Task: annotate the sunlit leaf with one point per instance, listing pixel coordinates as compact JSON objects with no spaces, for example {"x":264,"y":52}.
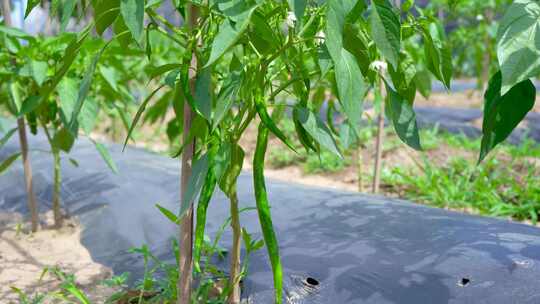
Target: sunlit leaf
{"x":133,"y":13}
{"x":386,"y":30}
{"x":518,"y":45}
{"x":502,"y":114}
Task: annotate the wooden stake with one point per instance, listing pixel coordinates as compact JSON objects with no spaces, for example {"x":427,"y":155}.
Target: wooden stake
{"x":32,"y":205}
{"x":185,"y":280}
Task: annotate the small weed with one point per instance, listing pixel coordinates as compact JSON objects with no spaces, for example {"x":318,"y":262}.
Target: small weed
{"x":494,"y":188}
{"x":325,"y":162}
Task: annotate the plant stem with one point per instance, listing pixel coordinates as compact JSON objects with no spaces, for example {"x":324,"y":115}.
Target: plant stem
{"x":58,"y":218}
{"x":234,"y":296}
{"x":359,"y":171}
{"x":57,"y":181}
{"x":32,"y":205}
{"x":378,"y":144}
{"x":185,"y":279}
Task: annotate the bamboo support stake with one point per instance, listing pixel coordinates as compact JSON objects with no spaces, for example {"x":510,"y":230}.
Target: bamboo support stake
{"x":185,"y":280}
{"x":32,"y":205}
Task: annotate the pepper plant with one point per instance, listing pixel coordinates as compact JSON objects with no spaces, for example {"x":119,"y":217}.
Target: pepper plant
{"x":53,"y":102}
{"x":252,"y":62}
{"x":473,"y":33}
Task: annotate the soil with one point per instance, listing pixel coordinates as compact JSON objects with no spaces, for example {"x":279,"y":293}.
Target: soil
{"x":24,"y":256}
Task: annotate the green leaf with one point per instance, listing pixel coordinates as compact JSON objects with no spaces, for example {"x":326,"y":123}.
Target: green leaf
{"x":231,"y":29}
{"x":318,"y":130}
{"x":168,"y":214}
{"x":39,"y":71}
{"x":84,"y":89}
{"x":325,"y":61}
{"x":6,"y":163}
{"x":133,"y":13}
{"x":77,"y":293}
{"x":110,"y":75}
{"x":351,"y":87}
{"x":29,"y":104}
{"x":162,"y":69}
{"x":195,"y":183}
{"x":7,"y":136}
{"x":438,"y":55}
{"x":67,"y":92}
{"x":69,"y":56}
{"x":74,"y":162}
{"x":203,"y":93}
{"x":227,"y":95}
{"x":88,"y":116}
{"x":105,"y":13}
{"x":106,"y":156}
{"x":334,"y":28}
{"x":401,"y":114}
{"x":502,"y":114}
{"x":386,"y":30}
{"x":15,"y":32}
{"x":63,"y":140}
{"x":138,"y":115}
{"x":349,"y":79}
{"x":298,"y":7}
{"x":122,"y":33}
{"x":518,"y":43}
{"x":66,"y":12}
{"x":30,"y":6}
{"x":422,"y":79}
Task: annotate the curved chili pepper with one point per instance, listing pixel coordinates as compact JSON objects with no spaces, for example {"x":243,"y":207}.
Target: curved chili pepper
{"x":263,"y":209}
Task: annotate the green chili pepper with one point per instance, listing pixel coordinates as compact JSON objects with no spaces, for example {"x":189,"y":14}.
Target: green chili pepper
{"x":269,"y":123}
{"x":263,"y":209}
{"x":207,"y":191}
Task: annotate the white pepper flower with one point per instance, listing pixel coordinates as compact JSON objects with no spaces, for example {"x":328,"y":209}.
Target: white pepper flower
{"x":291,"y":20}
{"x":320,"y":37}
{"x":379,"y":66}
{"x":479,"y":17}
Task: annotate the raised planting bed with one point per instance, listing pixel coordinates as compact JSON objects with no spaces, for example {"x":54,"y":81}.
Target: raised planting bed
{"x":336,"y":247}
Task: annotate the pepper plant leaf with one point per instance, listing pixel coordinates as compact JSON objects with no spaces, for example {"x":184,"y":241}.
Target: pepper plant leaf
{"x":349,"y":79}
{"x":195,"y":183}
{"x":106,"y":156}
{"x":84,"y":89}
{"x":7,"y":136}
{"x":318,"y":130}
{"x":502,"y":113}
{"x":133,"y":13}
{"x":105,"y":13}
{"x":518,"y":43}
{"x":386,"y":30}
{"x":238,"y":14}
{"x":401,"y":114}
{"x":438,"y":55}
{"x":6,"y":163}
{"x":66,"y":11}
